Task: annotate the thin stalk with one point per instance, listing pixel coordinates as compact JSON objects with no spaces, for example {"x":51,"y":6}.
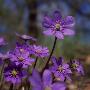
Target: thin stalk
{"x":11,"y":87}
{"x":50,"y":54}
{"x":35,"y":62}
{"x":1,"y":80}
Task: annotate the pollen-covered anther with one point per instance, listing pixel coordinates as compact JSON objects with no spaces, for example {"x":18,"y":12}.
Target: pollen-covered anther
{"x":57,"y":26}
{"x":60,"y":69}
{"x":14,"y":72}
{"x":21,"y":50}
{"x":21,"y":59}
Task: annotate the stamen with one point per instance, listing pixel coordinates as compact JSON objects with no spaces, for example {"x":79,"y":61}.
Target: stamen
{"x":14,"y":72}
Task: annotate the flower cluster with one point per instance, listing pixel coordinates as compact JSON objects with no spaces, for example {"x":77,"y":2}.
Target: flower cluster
{"x":21,"y":61}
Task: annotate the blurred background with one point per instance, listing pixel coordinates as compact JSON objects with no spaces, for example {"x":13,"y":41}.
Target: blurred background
{"x":25,"y":17}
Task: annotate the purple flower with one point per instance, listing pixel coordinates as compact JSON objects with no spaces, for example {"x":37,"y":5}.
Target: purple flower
{"x":24,"y":49}
{"x":45,"y":82}
{"x":60,"y":69}
{"x":40,"y":51}
{"x":2,"y":41}
{"x":3,"y":57}
{"x":21,"y":55}
{"x":58,"y":26}
{"x":76,"y":66}
{"x":26,"y":37}
{"x":14,"y":73}
{"x":21,"y":59}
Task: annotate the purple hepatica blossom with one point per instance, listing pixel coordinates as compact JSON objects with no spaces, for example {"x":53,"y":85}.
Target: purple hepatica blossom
{"x":20,"y":57}
{"x":58,"y":26}
{"x":14,"y":73}
{"x":45,"y":82}
{"x":40,"y":51}
{"x":23,"y":49}
{"x":26,"y":37}
{"x":2,"y":41}
{"x":60,"y":69}
{"x":3,"y":57}
{"x":76,"y":66}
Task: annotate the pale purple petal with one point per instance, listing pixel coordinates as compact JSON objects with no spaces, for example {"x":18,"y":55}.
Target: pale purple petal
{"x":58,"y":86}
{"x":68,"y":21}
{"x":59,"y":35}
{"x":47,"y":78}
{"x":57,"y":16}
{"x":47,"y":22}
{"x":48,"y":32}
{"x":68,"y":32}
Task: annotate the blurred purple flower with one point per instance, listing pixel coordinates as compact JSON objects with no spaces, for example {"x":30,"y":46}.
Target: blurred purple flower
{"x":45,"y":82}
{"x":14,"y":73}
{"x":24,"y":49}
{"x":2,"y":41}
{"x":3,"y":57}
{"x":76,"y":66}
{"x":58,"y":26}
{"x":60,"y":69}
{"x":40,"y":51}
{"x":21,"y":55}
{"x":21,"y":59}
{"x":26,"y":37}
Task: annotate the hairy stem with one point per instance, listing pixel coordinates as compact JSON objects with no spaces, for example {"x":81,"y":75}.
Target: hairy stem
{"x":1,"y":76}
{"x":11,"y":87}
{"x":35,"y":62}
{"x":50,"y":54}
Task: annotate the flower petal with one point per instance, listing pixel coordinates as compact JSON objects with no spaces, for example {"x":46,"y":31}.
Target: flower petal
{"x":47,"y":22}
{"x":68,"y":32}
{"x":58,"y":86}
{"x":57,"y":16}
{"x":48,"y":32}
{"x":35,"y":79}
{"x":47,"y":78}
{"x":59,"y":35}
{"x":68,"y":21}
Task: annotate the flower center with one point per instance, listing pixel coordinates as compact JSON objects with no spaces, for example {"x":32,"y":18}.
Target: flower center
{"x":20,"y":59}
{"x":74,"y":65}
{"x":57,"y":26}
{"x":38,"y":51}
{"x":57,"y":78}
{"x":60,"y":69}
{"x":21,"y":50}
{"x":47,"y":88}
{"x":14,"y":73}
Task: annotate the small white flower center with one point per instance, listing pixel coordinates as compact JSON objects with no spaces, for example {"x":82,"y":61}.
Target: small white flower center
{"x":21,"y":59}
{"x":60,"y":69}
{"x":57,"y":26}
